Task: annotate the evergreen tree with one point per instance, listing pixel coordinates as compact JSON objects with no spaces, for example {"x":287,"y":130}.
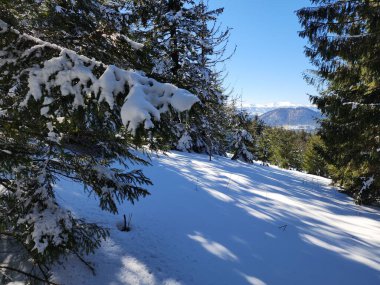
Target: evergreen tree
{"x":185,"y":45}
{"x":257,"y":126}
{"x":264,"y":146}
{"x":282,"y":147}
{"x":242,"y":142}
{"x":344,"y":46}
{"x":256,"y":129}
{"x":313,"y":161}
{"x":66,"y":116}
{"x":97,"y":29}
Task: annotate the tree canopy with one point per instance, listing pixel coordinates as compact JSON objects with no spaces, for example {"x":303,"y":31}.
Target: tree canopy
{"x":344,"y":46}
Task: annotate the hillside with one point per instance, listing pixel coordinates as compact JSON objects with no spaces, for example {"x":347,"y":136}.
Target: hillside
{"x":259,"y":109}
{"x":225,"y":222}
{"x":299,"y":117}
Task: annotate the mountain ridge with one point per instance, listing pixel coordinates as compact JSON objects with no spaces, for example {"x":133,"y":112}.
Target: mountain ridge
{"x":259,"y":109}
{"x":292,"y":118}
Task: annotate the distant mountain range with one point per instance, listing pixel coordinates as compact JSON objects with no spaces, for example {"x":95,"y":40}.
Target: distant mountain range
{"x":287,"y":115}
{"x":300,"y":118}
{"x":259,"y":109}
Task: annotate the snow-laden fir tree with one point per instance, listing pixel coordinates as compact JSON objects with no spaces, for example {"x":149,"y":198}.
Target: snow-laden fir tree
{"x":241,"y":140}
{"x":186,"y":44}
{"x":97,"y":29}
{"x":66,"y":116}
{"x":344,"y":39}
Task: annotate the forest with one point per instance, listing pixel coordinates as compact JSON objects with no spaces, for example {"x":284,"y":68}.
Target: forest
{"x":91,"y":90}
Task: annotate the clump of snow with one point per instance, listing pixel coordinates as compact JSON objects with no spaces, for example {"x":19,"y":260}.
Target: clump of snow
{"x":74,"y":75}
{"x":355,"y":105}
{"x":367,"y":184}
{"x":3,"y":26}
{"x":146,"y":98}
{"x":185,"y":142}
{"x":58,"y":9}
{"x":44,"y":110}
{"x":133,"y":44}
{"x":48,"y":223}
{"x":47,"y":226}
{"x":161,"y":66}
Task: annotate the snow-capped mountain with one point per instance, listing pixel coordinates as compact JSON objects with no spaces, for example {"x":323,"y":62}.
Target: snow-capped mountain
{"x":292,"y":118}
{"x":259,"y":109}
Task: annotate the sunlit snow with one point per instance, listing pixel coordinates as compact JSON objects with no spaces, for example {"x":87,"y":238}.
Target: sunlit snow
{"x":226,"y":222}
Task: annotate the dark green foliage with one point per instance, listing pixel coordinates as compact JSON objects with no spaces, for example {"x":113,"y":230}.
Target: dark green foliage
{"x":344,"y":39}
{"x":87,"y":144}
{"x":97,"y":29}
{"x":242,"y":141}
{"x":185,"y":44}
{"x":313,"y":161}
{"x":282,"y":147}
{"x":61,"y":118}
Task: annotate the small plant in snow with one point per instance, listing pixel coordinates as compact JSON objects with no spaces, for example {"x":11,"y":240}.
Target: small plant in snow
{"x":125,"y":226}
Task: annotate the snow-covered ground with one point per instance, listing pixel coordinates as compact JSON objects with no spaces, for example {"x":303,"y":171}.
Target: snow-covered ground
{"x":226,"y":222}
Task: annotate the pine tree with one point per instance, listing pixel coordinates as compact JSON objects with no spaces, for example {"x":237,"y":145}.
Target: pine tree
{"x":185,"y":44}
{"x":264,"y":146}
{"x":97,"y":29}
{"x":344,"y":46}
{"x":256,"y":129}
{"x":282,"y":147}
{"x":242,"y":142}
{"x":313,"y":161}
{"x":66,"y":116}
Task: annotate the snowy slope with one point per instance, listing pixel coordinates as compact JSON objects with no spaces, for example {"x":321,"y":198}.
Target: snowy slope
{"x":225,"y":222}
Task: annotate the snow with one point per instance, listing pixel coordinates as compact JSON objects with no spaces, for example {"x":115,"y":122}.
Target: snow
{"x":355,"y":105}
{"x":133,"y":44}
{"x":44,"y":111}
{"x":185,"y":142}
{"x":3,"y":26}
{"x":275,"y":105}
{"x":259,"y":109}
{"x":227,"y":222}
{"x":77,"y":76}
{"x":146,"y":100}
{"x":58,"y":9}
{"x":47,"y":227}
{"x":367,"y":184}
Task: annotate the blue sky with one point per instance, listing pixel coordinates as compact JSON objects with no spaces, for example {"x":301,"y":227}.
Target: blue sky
{"x":268,"y":64}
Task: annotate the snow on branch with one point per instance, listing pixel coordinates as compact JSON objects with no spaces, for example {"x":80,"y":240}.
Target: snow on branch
{"x":367,"y":182}
{"x":79,"y":77}
{"x":355,"y":105}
